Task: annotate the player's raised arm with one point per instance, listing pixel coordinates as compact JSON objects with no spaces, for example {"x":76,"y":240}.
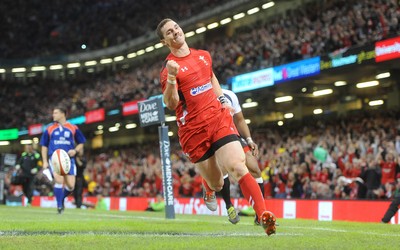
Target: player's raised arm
{"x":171,"y":96}
{"x":216,"y":87}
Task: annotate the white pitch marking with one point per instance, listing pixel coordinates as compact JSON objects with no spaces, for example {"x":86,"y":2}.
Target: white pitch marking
{"x":146,"y":234}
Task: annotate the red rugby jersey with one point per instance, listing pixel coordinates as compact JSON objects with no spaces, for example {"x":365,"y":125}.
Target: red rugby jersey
{"x":197,"y":101}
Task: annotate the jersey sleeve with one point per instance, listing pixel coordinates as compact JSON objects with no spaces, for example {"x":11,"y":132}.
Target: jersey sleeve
{"x":210,"y":60}
{"x":44,"y":140}
{"x":235,"y":103}
{"x":79,"y":137}
{"x":233,"y":100}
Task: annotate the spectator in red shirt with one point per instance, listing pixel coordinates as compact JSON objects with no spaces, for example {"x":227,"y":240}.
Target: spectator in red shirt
{"x":388,"y":168}
{"x":323,"y":175}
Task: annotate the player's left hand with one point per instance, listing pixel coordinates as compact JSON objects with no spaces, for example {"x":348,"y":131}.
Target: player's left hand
{"x":253,"y":147}
{"x":229,"y":107}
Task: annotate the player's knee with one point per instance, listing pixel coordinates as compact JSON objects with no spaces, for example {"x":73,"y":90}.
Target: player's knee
{"x":252,"y":165}
{"x":220,"y":185}
{"x":239,"y":171}
{"x":256,"y":173}
{"x":217,"y":186}
{"x":70,"y":188}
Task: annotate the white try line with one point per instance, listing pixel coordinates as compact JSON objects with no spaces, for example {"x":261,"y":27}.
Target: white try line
{"x":135,"y":234}
{"x":342,"y":231}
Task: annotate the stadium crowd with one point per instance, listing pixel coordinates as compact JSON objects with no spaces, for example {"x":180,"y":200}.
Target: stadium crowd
{"x":60,"y":27}
{"x":360,"y":160}
{"x":310,"y":31}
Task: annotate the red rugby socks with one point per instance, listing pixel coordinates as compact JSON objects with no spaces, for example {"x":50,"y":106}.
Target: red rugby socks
{"x":252,"y":193}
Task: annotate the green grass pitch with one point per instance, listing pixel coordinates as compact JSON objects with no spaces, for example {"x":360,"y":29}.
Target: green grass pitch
{"x":42,"y":228}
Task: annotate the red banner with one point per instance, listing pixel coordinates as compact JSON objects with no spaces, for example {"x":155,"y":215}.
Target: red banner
{"x":35,"y":129}
{"x":130,"y":108}
{"x":97,"y":115}
{"x":387,"y":50}
{"x":322,"y":210}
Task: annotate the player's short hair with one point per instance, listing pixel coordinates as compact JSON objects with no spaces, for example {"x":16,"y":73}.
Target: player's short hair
{"x":160,"y":26}
{"x":62,"y":109}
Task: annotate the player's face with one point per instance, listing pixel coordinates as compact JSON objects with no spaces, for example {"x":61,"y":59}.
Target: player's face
{"x":57,"y":115}
{"x":173,"y":35}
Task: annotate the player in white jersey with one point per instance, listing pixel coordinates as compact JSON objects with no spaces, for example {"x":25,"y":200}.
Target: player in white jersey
{"x":251,"y":150}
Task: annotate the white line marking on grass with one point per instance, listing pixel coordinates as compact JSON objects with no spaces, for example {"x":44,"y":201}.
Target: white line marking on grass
{"x":342,"y":231}
{"x":320,"y":229}
{"x":134,"y":234}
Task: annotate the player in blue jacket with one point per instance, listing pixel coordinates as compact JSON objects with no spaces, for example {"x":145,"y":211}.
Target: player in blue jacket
{"x":62,"y":135}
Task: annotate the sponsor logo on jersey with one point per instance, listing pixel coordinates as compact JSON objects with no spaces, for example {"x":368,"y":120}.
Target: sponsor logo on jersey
{"x":67,"y":134}
{"x":201,"y":89}
{"x":61,"y":142}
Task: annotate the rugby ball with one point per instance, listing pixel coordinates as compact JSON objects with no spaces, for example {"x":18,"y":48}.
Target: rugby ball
{"x":61,"y":162}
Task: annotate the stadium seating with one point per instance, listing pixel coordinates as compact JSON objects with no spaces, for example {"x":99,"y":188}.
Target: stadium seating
{"x":269,"y":43}
{"x":290,"y":168}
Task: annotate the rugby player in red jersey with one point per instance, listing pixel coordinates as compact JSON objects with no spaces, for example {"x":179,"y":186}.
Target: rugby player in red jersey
{"x":206,"y":130}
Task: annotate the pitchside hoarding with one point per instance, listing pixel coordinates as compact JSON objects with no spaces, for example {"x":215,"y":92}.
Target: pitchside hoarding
{"x":387,"y":49}
{"x":8,"y":134}
{"x":323,"y":210}
{"x":130,"y":108}
{"x":346,"y":57}
{"x":296,"y":70}
{"x":254,"y":80}
{"x":270,"y":76}
{"x":35,"y":129}
{"x":97,"y":115}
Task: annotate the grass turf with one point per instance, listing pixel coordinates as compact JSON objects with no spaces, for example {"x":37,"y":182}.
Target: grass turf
{"x":42,"y":228}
